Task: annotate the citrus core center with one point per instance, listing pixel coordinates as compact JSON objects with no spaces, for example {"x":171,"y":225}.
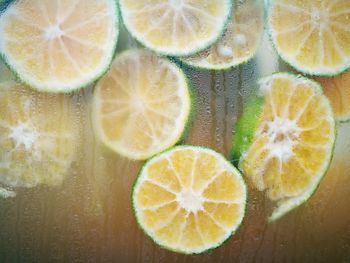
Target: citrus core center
{"x":24,"y":134}
{"x":282,"y":134}
{"x":190,"y":201}
{"x":53,"y":32}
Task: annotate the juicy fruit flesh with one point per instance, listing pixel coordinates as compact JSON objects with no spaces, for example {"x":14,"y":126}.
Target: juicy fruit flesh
{"x":142,"y":105}
{"x":240,"y":40}
{"x":312,"y":35}
{"x":175,"y":27}
{"x":337,"y":89}
{"x":37,"y":137}
{"x":293,"y":142}
{"x":58,"y":45}
{"x":189,"y":200}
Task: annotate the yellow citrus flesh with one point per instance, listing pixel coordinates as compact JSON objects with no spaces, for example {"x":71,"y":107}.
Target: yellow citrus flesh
{"x":56,"y":45}
{"x":312,"y":35}
{"x":337,"y":89}
{"x":294,"y":138}
{"x":189,"y":199}
{"x":240,"y":41}
{"x":176,"y":27}
{"x":142,"y":105}
{"x":38,"y":137}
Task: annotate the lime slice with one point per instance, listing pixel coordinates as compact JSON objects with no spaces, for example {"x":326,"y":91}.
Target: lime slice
{"x":337,"y":89}
{"x":176,"y":27}
{"x":285,"y":146}
{"x":59,"y":46}
{"x":189,"y":199}
{"x":5,"y":74}
{"x":142,"y":106}
{"x":240,"y":41}
{"x":313,"y":36}
{"x":38,"y":137}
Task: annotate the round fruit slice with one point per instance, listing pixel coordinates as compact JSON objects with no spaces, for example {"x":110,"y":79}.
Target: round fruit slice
{"x":337,"y":89}
{"x":189,"y":199}
{"x":142,"y":106}
{"x":174,"y":27}
{"x":240,"y":41}
{"x":5,"y":74}
{"x":38,"y":137}
{"x":284,"y":141}
{"x":56,"y":45}
{"x":313,"y":36}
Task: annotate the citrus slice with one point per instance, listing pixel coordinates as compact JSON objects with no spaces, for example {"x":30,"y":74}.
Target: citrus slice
{"x":189,"y":199}
{"x":5,"y":74}
{"x":142,"y":106}
{"x":313,"y":36}
{"x":38,"y":137}
{"x":59,"y":46}
{"x":337,"y":89}
{"x":176,"y":27}
{"x":285,"y":142}
{"x":240,"y":41}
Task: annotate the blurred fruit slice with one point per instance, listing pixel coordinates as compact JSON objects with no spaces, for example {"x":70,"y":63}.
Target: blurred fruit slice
{"x":59,"y":45}
{"x":240,"y":41}
{"x":142,"y":106}
{"x":174,"y":27}
{"x":189,"y":199}
{"x":5,"y":74}
{"x":337,"y":89}
{"x":285,"y":142}
{"x":313,"y":36}
{"x":38,"y":137}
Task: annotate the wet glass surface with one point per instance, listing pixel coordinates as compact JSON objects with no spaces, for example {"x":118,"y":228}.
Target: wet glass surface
{"x":89,"y":217}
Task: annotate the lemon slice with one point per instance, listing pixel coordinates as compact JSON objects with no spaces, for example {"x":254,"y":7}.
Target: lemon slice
{"x":189,"y":199}
{"x":285,"y":140}
{"x":59,"y":46}
{"x":38,"y":137}
{"x":176,"y":27}
{"x":142,"y":106}
{"x":337,"y":89}
{"x":313,"y":36}
{"x":240,"y":41}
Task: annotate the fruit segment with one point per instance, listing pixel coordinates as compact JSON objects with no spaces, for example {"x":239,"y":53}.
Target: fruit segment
{"x":337,"y":89}
{"x":239,"y":42}
{"x":142,"y":106}
{"x":176,"y":28}
{"x":38,"y":137}
{"x":313,"y":36}
{"x":59,"y":46}
{"x":188,"y":212}
{"x":293,"y":141}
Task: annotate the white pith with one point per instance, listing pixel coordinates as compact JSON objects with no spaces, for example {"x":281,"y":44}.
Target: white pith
{"x":24,"y":134}
{"x":139,"y":105}
{"x":223,"y":47}
{"x":188,"y":199}
{"x":320,"y":19}
{"x":176,"y":10}
{"x":54,"y":32}
{"x":283,"y":133}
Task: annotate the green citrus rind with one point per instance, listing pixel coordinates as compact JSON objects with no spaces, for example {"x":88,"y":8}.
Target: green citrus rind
{"x":41,"y":87}
{"x":140,"y":177}
{"x":178,"y":51}
{"x":190,"y":99}
{"x":205,"y":65}
{"x":244,"y":134}
{"x":290,"y":62}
